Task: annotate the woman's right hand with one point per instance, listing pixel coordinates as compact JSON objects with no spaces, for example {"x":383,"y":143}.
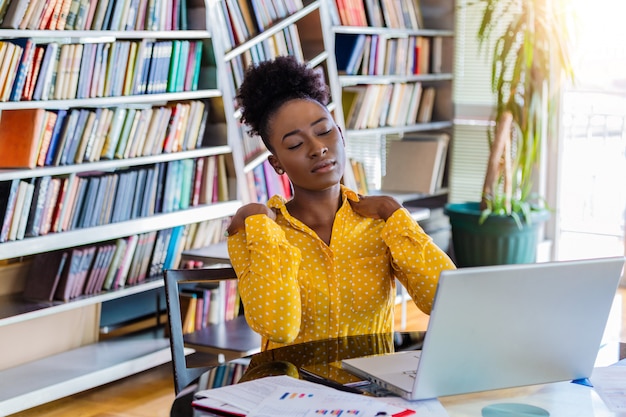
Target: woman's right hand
{"x":238,"y":221}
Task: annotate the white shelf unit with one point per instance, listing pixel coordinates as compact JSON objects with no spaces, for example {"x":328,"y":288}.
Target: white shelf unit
{"x":370,"y":145}
{"x":48,"y":377}
{"x":314,"y":28}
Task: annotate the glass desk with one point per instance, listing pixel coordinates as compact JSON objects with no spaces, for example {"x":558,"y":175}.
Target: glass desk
{"x":323,"y":358}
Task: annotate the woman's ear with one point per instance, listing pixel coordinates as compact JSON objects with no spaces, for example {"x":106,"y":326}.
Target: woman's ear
{"x":275,"y":164}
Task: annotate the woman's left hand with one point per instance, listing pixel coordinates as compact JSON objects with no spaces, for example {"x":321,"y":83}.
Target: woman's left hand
{"x":375,"y":207}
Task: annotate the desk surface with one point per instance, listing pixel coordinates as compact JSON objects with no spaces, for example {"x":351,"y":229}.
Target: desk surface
{"x":561,"y":399}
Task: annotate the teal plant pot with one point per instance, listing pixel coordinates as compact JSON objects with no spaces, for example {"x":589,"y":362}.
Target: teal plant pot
{"x":497,"y":241}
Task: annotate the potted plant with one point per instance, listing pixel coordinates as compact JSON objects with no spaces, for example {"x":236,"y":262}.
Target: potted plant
{"x":530,"y":61}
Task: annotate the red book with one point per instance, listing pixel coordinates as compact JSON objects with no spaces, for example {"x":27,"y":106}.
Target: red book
{"x":33,"y":72}
{"x":61,"y":200}
{"x":47,"y":14}
{"x":197,"y":182}
{"x":51,"y":118}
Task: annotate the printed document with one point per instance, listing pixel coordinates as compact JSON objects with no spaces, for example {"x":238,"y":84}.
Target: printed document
{"x":287,"y":396}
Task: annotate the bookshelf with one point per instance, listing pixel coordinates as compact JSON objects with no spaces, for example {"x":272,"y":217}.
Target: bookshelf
{"x":394,"y":60}
{"x":257,"y":31}
{"x":159,"y":131}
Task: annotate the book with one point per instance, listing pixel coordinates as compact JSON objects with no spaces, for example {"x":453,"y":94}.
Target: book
{"x":113,"y":135}
{"x":415,"y":164}
{"x":26,"y":60}
{"x":68,"y":279}
{"x":425,"y":112}
{"x":95,"y":270}
{"x":20,"y":133}
{"x":39,"y":202}
{"x":55,"y":137}
{"x":46,"y":70}
{"x":44,"y":275}
{"x":14,"y":14}
{"x":46,"y":136}
{"x":84,"y":267}
{"x":33,"y":72}
{"x":67,"y":132}
{"x":8,"y":67}
{"x":25,"y":207}
{"x":120,"y":248}
{"x":8,"y":197}
{"x":50,"y":203}
{"x":122,"y":272}
{"x":100,"y":13}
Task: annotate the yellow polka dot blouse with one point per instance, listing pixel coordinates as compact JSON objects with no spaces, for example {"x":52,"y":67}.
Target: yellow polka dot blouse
{"x":296,"y":289}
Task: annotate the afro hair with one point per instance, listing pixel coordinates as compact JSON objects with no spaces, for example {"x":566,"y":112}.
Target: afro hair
{"x":269,"y":84}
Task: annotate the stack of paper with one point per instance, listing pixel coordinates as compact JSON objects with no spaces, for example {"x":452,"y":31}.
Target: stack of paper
{"x":287,"y":396}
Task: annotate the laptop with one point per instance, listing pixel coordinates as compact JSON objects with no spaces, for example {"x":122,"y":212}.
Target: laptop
{"x":503,"y":326}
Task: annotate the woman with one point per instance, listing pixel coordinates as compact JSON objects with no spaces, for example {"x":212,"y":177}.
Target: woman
{"x":322,"y":264}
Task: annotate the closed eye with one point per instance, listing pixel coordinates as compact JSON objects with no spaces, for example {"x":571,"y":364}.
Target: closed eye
{"x":295,"y":146}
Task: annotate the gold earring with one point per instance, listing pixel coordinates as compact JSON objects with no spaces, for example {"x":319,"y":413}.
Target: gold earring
{"x":280,"y":171}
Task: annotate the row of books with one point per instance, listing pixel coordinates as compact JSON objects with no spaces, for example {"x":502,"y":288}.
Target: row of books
{"x":246,"y":18}
{"x":285,"y":42}
{"x":93,"y":14}
{"x":39,"y":137}
{"x":360,"y":176}
{"x":205,"y":304}
{"x":63,"y":71}
{"x":395,"y":104}
{"x":401,"y":14}
{"x":263,"y":183}
{"x":87,"y":270}
{"x":252,"y":146}
{"x":227,"y":374}
{"x":360,"y":54}
{"x":43,"y":205}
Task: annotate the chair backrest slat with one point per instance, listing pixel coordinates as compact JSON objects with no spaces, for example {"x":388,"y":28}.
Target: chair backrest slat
{"x":184,"y":375}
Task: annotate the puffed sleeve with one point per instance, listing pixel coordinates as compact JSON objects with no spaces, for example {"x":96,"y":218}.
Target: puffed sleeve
{"x":267,"y":267}
{"x":416,"y":259}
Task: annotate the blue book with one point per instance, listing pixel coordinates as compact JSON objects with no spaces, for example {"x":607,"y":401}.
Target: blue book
{"x":44,"y":78}
{"x":161,"y":173}
{"x":140,"y":190}
{"x":170,"y":186}
{"x":85,"y":73}
{"x":172,"y":248}
{"x":68,"y":131}
{"x":118,"y":200}
{"x":55,"y":138}
{"x":147,"y":201}
{"x":150,"y":67}
{"x":26,"y":60}
{"x":71,"y":145}
{"x":108,"y":14}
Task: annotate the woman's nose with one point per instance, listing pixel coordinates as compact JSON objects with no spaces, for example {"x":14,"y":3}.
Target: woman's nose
{"x":318,"y":147}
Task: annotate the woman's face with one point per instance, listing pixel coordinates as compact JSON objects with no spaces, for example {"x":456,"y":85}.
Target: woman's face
{"x":307,"y":144}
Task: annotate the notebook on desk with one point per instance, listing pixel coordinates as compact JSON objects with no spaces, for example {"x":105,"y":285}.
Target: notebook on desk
{"x":504,"y":326}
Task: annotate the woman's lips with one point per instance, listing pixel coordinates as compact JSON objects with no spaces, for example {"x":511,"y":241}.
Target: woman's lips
{"x":323,"y":166}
